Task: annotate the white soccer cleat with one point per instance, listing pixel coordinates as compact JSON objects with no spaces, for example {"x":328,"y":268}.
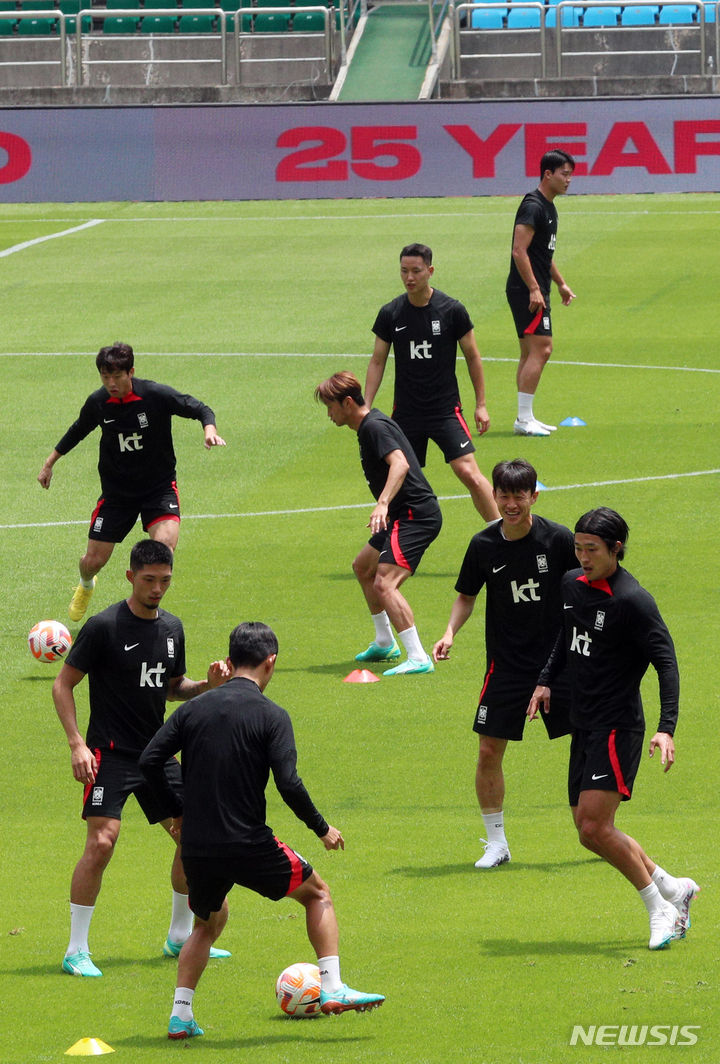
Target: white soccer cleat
{"x":550,"y":428}
{"x":662,"y":925}
{"x":690,"y":891}
{"x":530,"y":428}
{"x":496,"y":853}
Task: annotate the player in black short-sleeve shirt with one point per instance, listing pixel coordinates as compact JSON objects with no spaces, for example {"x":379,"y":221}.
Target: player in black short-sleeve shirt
{"x":405,"y":520}
{"x":424,"y":328}
{"x":532,"y":269}
{"x":136,"y":463}
{"x":612,"y":631}
{"x":520,"y":561}
{"x":133,"y":654}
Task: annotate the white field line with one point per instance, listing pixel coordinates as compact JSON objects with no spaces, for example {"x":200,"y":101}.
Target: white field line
{"x":50,"y":236}
{"x":367,"y":504}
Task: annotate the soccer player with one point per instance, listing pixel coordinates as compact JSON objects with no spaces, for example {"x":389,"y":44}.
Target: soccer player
{"x":137,"y":460}
{"x":404,"y":522}
{"x":424,"y":328}
{"x":520,"y":560}
{"x":133,"y":654}
{"x":612,"y":632}
{"x":231,"y":739}
{"x":532,"y":269}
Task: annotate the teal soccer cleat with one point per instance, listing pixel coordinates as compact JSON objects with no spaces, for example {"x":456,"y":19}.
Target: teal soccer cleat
{"x":412,"y":665}
{"x":377,"y":653}
{"x":172,"y":949}
{"x":80,"y":964}
{"x":346,"y":1000}
{"x":183,"y":1028}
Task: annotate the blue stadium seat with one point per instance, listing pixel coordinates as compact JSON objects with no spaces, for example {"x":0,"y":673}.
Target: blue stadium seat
{"x":601,"y":16}
{"x":640,"y":15}
{"x":570,"y":16}
{"x":488,"y":18}
{"x":677,"y":14}
{"x":710,"y":13}
{"x":522,"y":18}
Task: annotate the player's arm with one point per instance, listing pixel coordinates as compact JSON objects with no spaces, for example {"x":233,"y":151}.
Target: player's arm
{"x":212,"y":439}
{"x":182,"y":689}
{"x":84,"y":765}
{"x":540,"y":700}
{"x":462,"y":607}
{"x":566,"y":293}
{"x":45,"y":474}
{"x":164,"y":744}
{"x":522,"y":238}
{"x":469,"y":348}
{"x":397,"y":471}
{"x":376,"y":369}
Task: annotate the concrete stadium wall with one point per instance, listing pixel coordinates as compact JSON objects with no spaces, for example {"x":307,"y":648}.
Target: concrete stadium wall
{"x":302,"y":151}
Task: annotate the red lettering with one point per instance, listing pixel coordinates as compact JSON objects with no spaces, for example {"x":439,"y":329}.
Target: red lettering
{"x":546,"y":136}
{"x":688,"y":147}
{"x":19,"y":158}
{"x":373,"y":142}
{"x":483,"y":152}
{"x":328,"y":143}
{"x":646,"y":154}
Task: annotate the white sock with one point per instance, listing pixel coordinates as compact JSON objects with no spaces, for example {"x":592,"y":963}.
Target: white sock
{"x":670,"y":888}
{"x":87,"y":583}
{"x":494,"y":827}
{"x":383,"y":631}
{"x":411,"y":641}
{"x":652,"y":897}
{"x":525,"y":406}
{"x":181,"y":923}
{"x":182,"y":1005}
{"x":80,"y":917}
{"x":330,"y":974}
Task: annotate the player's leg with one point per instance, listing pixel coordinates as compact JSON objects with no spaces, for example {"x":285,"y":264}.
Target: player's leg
{"x":101,"y":835}
{"x":384,"y":646}
{"x":388,"y":581}
{"x":453,"y":437}
{"x":322,"y":930}
{"x":109,"y":525}
{"x":467,"y":471}
{"x":535,"y":351}
{"x":490,"y":791}
{"x":160,"y":516}
{"x":165,"y":531}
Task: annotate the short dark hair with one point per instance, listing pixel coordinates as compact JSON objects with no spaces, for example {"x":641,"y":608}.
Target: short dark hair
{"x":251,"y":643}
{"x":422,"y":251}
{"x":339,"y":387}
{"x":514,"y":475}
{"x":553,"y":160}
{"x":117,"y":356}
{"x":150,"y":552}
{"x":608,"y":525}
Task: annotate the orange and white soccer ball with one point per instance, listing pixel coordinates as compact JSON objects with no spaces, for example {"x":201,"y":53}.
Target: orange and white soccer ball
{"x":298,"y":990}
{"x":49,"y":640}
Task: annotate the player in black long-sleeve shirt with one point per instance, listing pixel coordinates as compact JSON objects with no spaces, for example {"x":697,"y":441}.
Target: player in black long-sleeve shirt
{"x":229,"y":748}
{"x":136,"y":463}
{"x":612,"y":631}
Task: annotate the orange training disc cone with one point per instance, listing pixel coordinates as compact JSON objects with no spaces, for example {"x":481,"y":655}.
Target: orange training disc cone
{"x":88,"y":1047}
{"x":361,"y":676}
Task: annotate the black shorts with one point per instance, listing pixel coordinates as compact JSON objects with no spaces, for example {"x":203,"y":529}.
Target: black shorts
{"x":450,"y":432}
{"x":407,"y":539}
{"x":111,"y":521}
{"x":118,"y":776}
{"x":271,"y":869}
{"x":528,"y":323}
{"x":503,"y":703}
{"x":604,"y":761}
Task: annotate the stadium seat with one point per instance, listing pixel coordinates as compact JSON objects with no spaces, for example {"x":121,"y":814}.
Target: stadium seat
{"x":267,"y":23}
{"x":570,"y":16}
{"x":601,"y":16}
{"x":308,"y":22}
{"x":153,"y":5}
{"x":523,"y":18}
{"x":122,"y":3}
{"x":71,"y":24}
{"x":37,"y":5}
{"x":120,"y":24}
{"x":710,"y":13}
{"x":488,"y":18}
{"x":677,"y":14}
{"x":36,"y":27}
{"x":201,"y":3}
{"x":640,"y":15}
{"x":196,"y":24}
{"x":157,"y":24}
{"x":7,"y":27}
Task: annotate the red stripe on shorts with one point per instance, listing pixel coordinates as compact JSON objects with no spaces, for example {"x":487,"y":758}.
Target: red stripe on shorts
{"x":296,"y":866}
{"x":88,"y":786}
{"x":489,"y":673}
{"x":396,"y":549}
{"x":96,"y":511}
{"x":461,"y":419}
{"x":614,"y":761}
{"x":532,"y":327}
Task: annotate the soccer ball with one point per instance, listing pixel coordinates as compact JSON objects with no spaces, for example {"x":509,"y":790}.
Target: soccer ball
{"x":49,"y":640}
{"x":298,"y":991}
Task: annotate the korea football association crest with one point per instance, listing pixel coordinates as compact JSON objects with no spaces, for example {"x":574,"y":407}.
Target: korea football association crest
{"x":599,"y":620}
{"x":482,"y":715}
{"x":542,"y":563}
{"x":171,"y":647}
{"x":435,"y":325}
{"x":143,"y":421}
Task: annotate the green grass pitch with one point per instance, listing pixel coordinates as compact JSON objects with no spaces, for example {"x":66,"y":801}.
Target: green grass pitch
{"x":249,"y":306}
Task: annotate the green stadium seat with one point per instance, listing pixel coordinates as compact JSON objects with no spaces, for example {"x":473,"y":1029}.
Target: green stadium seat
{"x":69,"y":7}
{"x":7,"y":27}
{"x":308,"y":22}
{"x":246,"y":22}
{"x":197,"y":24}
{"x":267,"y":23}
{"x":36,"y":27}
{"x":71,"y":24}
{"x":112,"y":4}
{"x":153,"y":5}
{"x":157,"y":24}
{"x":8,"y":5}
{"x":37,"y":5}
{"x":120,"y":24}
{"x":201,"y":3}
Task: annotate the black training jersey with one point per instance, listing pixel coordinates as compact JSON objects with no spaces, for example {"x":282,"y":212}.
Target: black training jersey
{"x":137,"y":458}
{"x":612,"y":632}
{"x":542,"y":216}
{"x":129,"y":662}
{"x":425,"y":342}
{"x":523,"y":612}
{"x":230,"y":740}
{"x":378,"y":435}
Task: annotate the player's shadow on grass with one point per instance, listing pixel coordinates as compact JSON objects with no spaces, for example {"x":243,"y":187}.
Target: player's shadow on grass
{"x":231,"y":1043}
{"x":38,"y":679}
{"x":465,"y":869}
{"x":524,"y":947}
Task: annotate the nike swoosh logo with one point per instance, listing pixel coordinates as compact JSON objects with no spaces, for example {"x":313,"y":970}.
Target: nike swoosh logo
{"x":172,"y":505}
{"x":566,"y":607}
{"x":465,"y":444}
{"x":399,"y":328}
{"x":603,"y":777}
{"x":499,"y":568}
{"x":132,"y":646}
{"x":108,"y":421}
